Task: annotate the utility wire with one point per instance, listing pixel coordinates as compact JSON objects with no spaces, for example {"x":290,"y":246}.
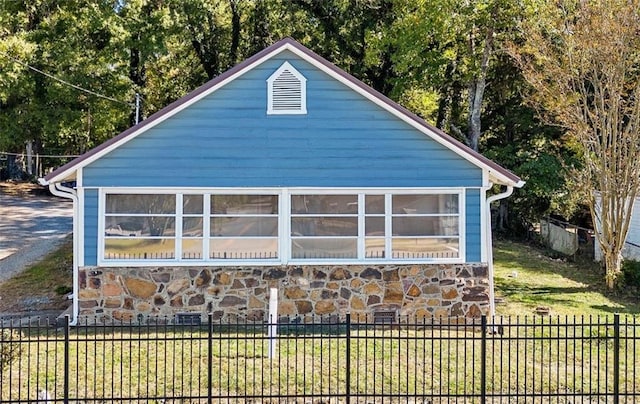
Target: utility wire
{"x":66,"y":82}
{"x":40,"y":155}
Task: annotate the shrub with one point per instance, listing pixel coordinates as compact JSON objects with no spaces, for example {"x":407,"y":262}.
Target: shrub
{"x":631,"y":274}
{"x":10,"y":347}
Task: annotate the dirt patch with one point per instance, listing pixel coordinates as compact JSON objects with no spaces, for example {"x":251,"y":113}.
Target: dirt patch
{"x":43,"y":286}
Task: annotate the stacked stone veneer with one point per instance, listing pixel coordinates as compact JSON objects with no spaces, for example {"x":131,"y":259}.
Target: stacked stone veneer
{"x":138,"y":294}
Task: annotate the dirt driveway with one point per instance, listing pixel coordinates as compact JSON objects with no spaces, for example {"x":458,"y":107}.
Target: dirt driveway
{"x":31,"y":226}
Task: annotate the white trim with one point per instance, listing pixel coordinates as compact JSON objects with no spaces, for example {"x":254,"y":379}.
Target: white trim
{"x":65,"y":174}
{"x":284,"y":225}
{"x":383,"y":104}
{"x":80,"y":244}
{"x":360,"y":243}
{"x":483,"y":224}
{"x":206,"y":224}
{"x":289,"y":47}
{"x":178,"y":226}
{"x":462,"y":224}
{"x":101,"y":218}
{"x":286,"y":66}
{"x":80,"y":195}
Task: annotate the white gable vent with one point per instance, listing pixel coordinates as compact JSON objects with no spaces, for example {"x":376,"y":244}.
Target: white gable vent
{"x":286,"y":91}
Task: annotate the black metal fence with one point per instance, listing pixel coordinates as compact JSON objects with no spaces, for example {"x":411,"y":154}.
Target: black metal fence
{"x":505,"y":360}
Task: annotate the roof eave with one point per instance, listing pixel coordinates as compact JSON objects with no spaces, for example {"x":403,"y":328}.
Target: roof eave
{"x":501,"y":174}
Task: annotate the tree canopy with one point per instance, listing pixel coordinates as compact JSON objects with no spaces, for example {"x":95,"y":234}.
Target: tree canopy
{"x":71,"y":71}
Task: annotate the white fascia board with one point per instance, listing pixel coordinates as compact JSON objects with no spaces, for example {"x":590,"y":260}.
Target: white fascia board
{"x":70,"y":172}
{"x":381,"y":103}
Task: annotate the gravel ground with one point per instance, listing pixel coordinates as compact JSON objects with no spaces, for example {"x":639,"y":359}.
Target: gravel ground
{"x":30,"y":228}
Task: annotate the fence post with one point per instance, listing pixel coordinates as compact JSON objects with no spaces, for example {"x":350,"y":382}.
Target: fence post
{"x":66,"y":360}
{"x":616,"y":358}
{"x":483,"y":360}
{"x":348,"y":360}
{"x":210,"y":360}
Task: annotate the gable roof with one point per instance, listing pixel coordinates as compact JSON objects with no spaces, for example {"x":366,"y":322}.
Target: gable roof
{"x":497,"y":173}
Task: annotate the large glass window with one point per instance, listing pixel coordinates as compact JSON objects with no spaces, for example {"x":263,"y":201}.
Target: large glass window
{"x":324,"y":226}
{"x":192,"y":227}
{"x":365,"y":226}
{"x":425,"y":226}
{"x":140,"y":227}
{"x":244,"y":227}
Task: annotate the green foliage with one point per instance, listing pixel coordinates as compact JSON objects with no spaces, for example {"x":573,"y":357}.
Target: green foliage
{"x":631,"y":274}
{"x":10,"y":347}
{"x":426,"y":55}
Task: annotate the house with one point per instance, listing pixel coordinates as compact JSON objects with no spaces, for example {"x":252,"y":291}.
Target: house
{"x":631,"y":248}
{"x":284,"y":172}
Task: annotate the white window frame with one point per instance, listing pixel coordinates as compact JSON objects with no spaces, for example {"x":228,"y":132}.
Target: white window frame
{"x":284,"y":226}
{"x":303,"y":91}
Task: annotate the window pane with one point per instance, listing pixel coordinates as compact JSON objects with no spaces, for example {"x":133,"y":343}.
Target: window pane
{"x":374,"y":248}
{"x":374,"y":226}
{"x":244,"y":226}
{"x":139,"y":226}
{"x":409,"y":248}
{"x":324,"y":248}
{"x":324,"y":226}
{"x":425,"y":226}
{"x":244,"y":204}
{"x":139,"y":203}
{"x":192,"y":204}
{"x":425,"y":204}
{"x":136,"y":249}
{"x":192,"y":227}
{"x":192,"y":248}
{"x":334,"y":204}
{"x":243,"y":248}
{"x":374,"y":204}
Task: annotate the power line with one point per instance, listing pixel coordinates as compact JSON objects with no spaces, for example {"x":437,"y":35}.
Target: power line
{"x":40,"y":155}
{"x":66,"y":82}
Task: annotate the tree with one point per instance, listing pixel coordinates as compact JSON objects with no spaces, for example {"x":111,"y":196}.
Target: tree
{"x":71,"y":42}
{"x":583,"y":59}
{"x":449,"y":47}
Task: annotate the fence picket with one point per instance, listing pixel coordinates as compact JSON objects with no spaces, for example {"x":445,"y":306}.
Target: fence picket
{"x":325,"y":358}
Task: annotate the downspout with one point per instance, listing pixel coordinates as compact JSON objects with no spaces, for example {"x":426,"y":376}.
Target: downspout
{"x":492,"y":297}
{"x":70,"y":193}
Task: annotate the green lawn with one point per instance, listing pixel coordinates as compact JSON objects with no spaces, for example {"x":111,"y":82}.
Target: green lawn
{"x":534,"y":355}
{"x":527,"y":278}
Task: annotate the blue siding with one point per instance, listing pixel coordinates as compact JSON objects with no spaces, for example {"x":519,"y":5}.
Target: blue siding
{"x":472,"y":211}
{"x":90,"y":227}
{"x":228,"y":140}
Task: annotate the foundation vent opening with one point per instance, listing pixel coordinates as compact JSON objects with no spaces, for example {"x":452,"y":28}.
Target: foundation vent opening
{"x":188,"y":319}
{"x":385,"y":317}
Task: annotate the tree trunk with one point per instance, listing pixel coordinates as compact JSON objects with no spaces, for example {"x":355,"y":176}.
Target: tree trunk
{"x":476,"y":93}
{"x":613,"y":267}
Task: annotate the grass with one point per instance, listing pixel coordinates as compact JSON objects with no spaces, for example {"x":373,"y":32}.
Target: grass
{"x":527,"y":278}
{"x":538,"y":355}
{"x":149,"y":362}
{"x":42,"y":286}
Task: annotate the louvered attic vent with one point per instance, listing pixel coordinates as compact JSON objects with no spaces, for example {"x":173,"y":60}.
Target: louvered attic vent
{"x":286,"y":91}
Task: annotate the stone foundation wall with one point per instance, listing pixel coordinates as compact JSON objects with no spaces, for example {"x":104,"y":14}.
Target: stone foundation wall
{"x":424,"y":291}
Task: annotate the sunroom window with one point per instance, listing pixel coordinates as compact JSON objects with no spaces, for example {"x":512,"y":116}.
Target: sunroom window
{"x":324,"y":226}
{"x":425,"y":226}
{"x":139,"y":227}
{"x":244,"y":227}
{"x":281,"y":226}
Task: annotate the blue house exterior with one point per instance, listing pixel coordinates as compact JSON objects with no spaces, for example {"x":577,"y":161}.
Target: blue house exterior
{"x":285,"y":172}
